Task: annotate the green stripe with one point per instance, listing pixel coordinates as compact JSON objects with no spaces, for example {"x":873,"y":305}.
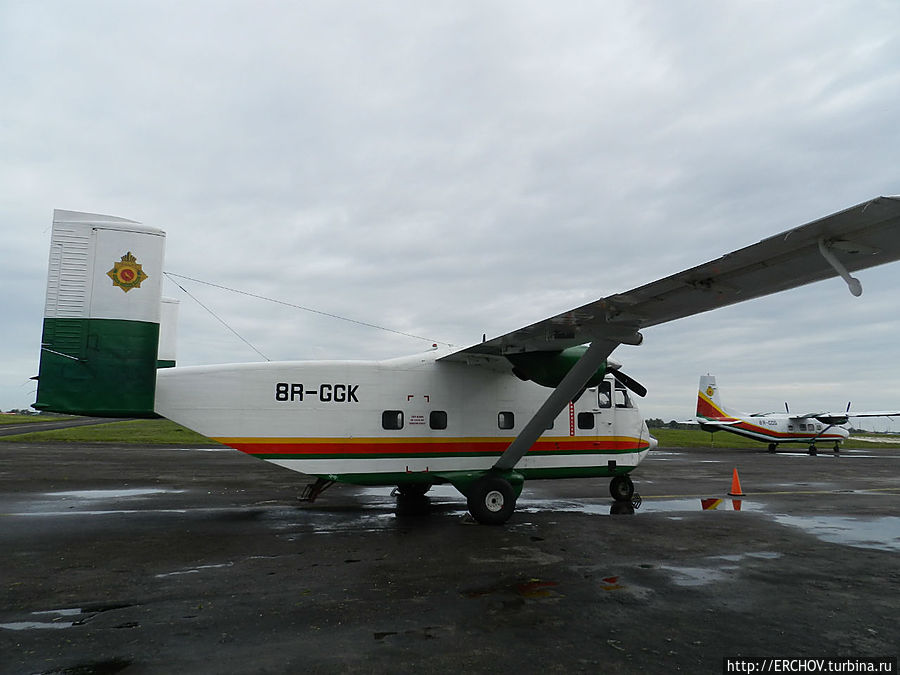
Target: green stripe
{"x":99,"y":367}
{"x":397,"y":478}
{"x":427,"y":455}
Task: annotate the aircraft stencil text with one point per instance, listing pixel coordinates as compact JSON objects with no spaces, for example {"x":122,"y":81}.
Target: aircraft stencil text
{"x":327,"y":393}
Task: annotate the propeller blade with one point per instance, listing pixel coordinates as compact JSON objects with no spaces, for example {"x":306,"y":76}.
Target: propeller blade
{"x":629,"y":383}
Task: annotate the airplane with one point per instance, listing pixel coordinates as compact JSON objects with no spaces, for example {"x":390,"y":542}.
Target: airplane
{"x":542,"y":401}
{"x":776,"y":428}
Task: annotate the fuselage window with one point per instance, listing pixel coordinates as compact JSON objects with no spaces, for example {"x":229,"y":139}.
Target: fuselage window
{"x":604,"y":397}
{"x":818,"y":427}
{"x":437,"y":419}
{"x":790,"y":427}
{"x":585,"y":420}
{"x":392,"y":420}
{"x":506,"y":420}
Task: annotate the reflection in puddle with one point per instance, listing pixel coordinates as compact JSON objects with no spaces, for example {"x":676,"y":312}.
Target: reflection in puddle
{"x":878,"y":533}
{"x":696,"y":504}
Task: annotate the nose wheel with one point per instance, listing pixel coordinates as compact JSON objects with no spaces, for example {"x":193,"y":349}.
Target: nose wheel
{"x":621,"y":488}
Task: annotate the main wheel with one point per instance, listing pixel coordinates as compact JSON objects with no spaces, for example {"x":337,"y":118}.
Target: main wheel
{"x":772,"y":447}
{"x":812,"y":450}
{"x":491,"y":500}
{"x":413,"y":489}
{"x":621,"y":488}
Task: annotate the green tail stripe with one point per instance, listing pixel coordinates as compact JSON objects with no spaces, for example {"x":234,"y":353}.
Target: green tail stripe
{"x":99,"y":367}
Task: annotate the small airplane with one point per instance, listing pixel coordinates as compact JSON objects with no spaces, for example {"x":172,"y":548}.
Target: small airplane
{"x":775,"y":428}
{"x":542,"y":401}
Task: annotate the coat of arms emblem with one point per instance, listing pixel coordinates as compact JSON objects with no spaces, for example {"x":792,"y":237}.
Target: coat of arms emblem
{"x":128,"y":273}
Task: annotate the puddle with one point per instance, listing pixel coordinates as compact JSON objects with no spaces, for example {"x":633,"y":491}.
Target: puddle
{"x":111,"y":494}
{"x":54,"y":514}
{"x":441,"y":491}
{"x":881,"y":533}
{"x":604,"y":507}
{"x":689,"y":504}
{"x":52,"y":624}
{"x":761,"y":555}
{"x":696,"y":576}
{"x":79,"y":502}
{"x":723,"y":566}
{"x":193,"y":570}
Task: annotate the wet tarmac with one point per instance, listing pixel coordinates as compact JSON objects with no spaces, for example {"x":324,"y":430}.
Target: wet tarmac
{"x":159,"y":560}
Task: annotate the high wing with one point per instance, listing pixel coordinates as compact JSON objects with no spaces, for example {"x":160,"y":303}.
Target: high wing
{"x":843,"y":417}
{"x":857,"y":238}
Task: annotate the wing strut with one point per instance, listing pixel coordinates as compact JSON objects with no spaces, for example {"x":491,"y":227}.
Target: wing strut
{"x":852,"y":282}
{"x":571,"y":384}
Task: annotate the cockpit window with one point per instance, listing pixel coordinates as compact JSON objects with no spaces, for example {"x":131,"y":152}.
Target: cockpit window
{"x":622,"y":398}
{"x":604,"y":395}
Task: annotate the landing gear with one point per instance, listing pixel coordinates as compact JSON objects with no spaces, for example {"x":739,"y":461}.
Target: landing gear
{"x":772,"y":447}
{"x":812,"y":450}
{"x":837,"y":447}
{"x":313,"y":490}
{"x":412,"y":489}
{"x":491,"y":500}
{"x":621,"y":488}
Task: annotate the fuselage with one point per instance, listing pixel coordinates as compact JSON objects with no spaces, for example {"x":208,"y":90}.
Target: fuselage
{"x":402,"y":420}
{"x":780,"y":428}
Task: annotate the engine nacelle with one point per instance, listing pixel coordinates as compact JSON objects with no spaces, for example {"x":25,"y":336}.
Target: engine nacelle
{"x":549,"y":368}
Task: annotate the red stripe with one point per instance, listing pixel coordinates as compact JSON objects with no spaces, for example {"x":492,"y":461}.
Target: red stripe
{"x":454,"y":448}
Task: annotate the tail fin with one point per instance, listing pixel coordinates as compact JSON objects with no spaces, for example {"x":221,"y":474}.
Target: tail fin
{"x":709,"y":403}
{"x":101,"y":319}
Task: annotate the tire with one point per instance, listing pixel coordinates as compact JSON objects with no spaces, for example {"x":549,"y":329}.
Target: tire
{"x":491,"y":500}
{"x":413,"y":489}
{"x":621,"y":488}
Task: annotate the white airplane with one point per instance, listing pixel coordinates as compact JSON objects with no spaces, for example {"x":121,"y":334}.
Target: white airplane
{"x":775,"y":428}
{"x":542,"y":401}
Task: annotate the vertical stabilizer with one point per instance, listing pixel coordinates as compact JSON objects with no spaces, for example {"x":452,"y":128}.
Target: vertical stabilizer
{"x":101,"y":317}
{"x":709,"y":402}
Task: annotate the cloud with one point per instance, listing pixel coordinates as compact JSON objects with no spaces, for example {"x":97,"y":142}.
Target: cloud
{"x":454,"y":169}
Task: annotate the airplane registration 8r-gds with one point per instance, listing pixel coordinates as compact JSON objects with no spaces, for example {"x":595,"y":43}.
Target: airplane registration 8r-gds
{"x":775,"y":428}
{"x":543,"y":401}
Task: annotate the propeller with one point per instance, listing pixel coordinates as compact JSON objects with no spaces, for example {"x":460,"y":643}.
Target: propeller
{"x":629,"y":382}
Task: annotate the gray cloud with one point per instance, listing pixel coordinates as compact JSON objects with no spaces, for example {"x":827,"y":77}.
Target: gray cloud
{"x":453,"y":169}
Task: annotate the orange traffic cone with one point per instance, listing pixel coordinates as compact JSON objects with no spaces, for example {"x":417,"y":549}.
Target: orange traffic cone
{"x":735,"y":485}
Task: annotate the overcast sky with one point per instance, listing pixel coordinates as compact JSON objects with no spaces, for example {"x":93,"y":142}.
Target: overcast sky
{"x":449,"y":169}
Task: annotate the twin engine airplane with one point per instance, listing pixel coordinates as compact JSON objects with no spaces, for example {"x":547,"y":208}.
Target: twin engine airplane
{"x":542,"y":401}
{"x":775,"y":428}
